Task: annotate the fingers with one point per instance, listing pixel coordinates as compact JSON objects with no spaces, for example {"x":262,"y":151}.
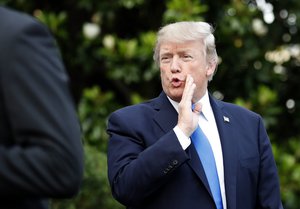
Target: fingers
{"x":188,"y":91}
{"x":188,"y":118}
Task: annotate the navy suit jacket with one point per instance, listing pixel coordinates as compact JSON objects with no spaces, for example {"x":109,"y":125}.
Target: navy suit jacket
{"x":41,"y":152}
{"x":148,"y":169}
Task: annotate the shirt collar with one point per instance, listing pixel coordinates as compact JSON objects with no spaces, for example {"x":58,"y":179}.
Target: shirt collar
{"x":206,"y":108}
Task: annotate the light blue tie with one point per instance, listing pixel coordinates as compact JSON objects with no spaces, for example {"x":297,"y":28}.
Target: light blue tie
{"x":206,"y":156}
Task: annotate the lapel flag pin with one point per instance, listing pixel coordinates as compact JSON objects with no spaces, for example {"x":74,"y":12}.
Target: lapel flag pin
{"x":226,"y":119}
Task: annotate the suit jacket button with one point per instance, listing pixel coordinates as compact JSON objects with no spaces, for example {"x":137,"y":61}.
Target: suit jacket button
{"x":166,"y":170}
{"x":175,"y":162}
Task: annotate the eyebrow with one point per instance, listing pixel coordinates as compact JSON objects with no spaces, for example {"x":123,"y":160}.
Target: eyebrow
{"x":167,"y":53}
{"x":186,"y":51}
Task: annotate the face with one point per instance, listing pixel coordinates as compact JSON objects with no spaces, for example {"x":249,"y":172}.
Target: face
{"x":177,"y":60}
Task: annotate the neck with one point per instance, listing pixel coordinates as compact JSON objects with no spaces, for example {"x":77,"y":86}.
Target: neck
{"x":198,"y":96}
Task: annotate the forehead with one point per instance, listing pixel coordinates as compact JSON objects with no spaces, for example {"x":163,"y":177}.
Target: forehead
{"x":188,"y":46}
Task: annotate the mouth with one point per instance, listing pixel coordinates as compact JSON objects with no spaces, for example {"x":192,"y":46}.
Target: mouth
{"x":176,"y":82}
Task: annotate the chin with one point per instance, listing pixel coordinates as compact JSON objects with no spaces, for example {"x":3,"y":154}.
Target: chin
{"x":176,"y":98}
{"x":174,"y":94}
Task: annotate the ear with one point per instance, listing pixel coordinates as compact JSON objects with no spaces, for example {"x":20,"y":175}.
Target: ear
{"x":210,"y":69}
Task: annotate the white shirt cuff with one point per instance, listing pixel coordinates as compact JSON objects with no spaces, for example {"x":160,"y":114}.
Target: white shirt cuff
{"x":182,"y":138}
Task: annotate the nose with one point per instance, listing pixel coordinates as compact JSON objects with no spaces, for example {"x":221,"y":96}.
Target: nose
{"x":175,"y":66}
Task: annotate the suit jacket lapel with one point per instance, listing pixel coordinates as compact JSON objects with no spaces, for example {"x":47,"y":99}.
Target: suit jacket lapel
{"x":229,"y":144}
{"x":167,"y":118}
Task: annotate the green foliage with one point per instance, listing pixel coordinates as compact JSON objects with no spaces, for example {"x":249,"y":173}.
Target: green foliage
{"x":183,"y":10}
{"x":93,"y":110}
{"x":54,"y":21}
{"x":126,"y":56}
{"x":262,"y":101}
{"x":107,"y":47}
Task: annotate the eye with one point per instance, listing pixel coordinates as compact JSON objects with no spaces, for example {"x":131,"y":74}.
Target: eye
{"x":187,"y":57}
{"x":165,"y":59}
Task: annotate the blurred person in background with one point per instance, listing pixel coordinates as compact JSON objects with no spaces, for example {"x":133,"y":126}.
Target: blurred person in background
{"x":186,"y":149}
{"x":41,"y":153}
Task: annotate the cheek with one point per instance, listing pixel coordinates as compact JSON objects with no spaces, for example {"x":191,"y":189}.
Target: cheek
{"x":199,"y":75}
{"x":163,"y":73}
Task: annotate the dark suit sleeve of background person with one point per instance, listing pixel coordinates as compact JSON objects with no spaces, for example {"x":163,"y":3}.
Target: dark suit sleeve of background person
{"x":40,"y":140}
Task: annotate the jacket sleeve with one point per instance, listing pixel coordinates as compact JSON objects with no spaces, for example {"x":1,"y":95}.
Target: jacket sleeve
{"x":137,"y":168}
{"x":42,"y":153}
{"x":268,"y":183}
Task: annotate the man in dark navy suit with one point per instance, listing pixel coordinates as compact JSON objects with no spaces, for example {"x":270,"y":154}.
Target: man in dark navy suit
{"x":154,"y":158}
{"x":41,"y":152}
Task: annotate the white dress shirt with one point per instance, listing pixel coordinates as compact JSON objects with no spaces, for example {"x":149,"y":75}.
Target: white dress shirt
{"x":208,"y":125}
